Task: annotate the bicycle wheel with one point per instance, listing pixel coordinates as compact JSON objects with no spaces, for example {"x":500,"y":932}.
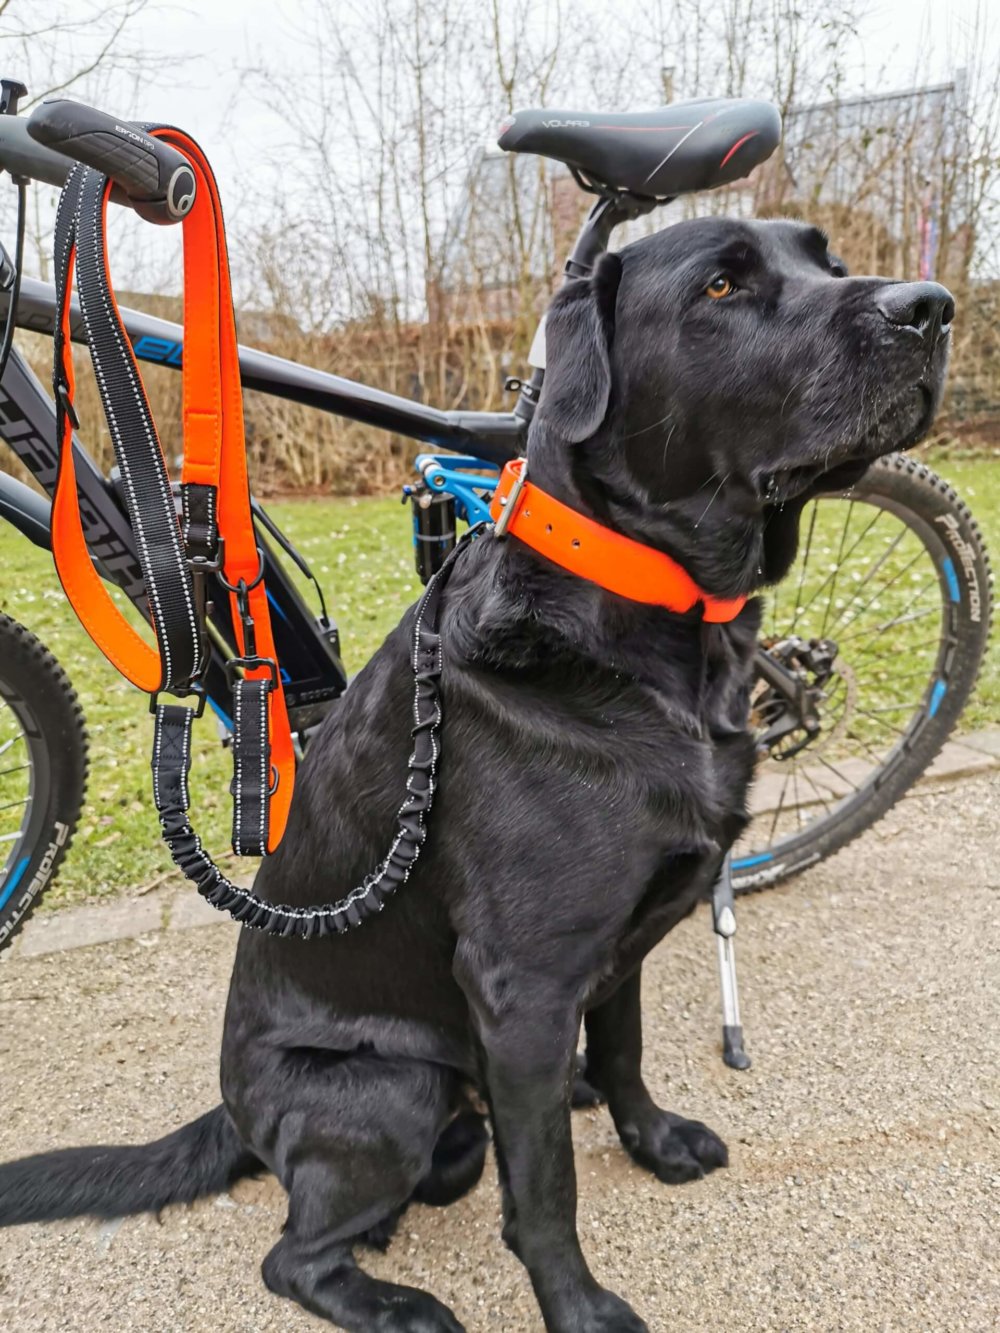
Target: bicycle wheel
{"x":884,"y":620}
{"x":43,"y":769}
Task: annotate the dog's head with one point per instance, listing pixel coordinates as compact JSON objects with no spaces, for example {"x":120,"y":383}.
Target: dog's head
{"x":707,"y":378}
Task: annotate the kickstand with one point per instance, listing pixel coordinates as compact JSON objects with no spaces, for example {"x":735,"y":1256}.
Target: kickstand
{"x":724,"y":925}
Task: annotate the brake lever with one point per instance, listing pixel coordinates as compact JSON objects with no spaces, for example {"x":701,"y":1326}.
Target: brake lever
{"x":11,"y":92}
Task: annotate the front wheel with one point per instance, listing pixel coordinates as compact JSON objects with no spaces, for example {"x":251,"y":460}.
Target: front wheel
{"x":43,"y":770}
{"x":881,"y":625}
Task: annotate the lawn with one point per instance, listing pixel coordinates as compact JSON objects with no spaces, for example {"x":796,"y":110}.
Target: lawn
{"x":118,"y":843}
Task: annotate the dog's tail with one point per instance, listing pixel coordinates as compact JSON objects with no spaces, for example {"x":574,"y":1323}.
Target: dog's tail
{"x":202,"y":1158}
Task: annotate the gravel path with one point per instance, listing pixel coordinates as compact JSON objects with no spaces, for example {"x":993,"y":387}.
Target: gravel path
{"x":863,"y":1191}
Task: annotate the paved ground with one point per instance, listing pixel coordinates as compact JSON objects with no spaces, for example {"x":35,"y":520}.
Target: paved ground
{"x":863,"y":1192}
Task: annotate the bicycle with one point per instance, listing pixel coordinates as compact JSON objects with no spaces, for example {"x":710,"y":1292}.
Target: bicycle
{"x":900,"y":528}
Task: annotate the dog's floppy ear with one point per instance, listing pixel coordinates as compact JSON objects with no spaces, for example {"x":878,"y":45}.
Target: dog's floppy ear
{"x":579,"y":328}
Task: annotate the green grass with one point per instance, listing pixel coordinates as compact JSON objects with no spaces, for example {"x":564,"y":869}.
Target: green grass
{"x":362,"y":554}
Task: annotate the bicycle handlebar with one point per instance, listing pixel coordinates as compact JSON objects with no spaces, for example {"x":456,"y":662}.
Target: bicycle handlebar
{"x":154,"y":178}
{"x":147,"y":174}
{"x":22,"y":156}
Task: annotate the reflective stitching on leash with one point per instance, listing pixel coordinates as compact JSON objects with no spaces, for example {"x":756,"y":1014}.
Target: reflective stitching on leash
{"x":279,"y":917}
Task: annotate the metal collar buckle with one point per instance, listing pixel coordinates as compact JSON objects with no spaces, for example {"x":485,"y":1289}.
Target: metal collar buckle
{"x":509,"y":501}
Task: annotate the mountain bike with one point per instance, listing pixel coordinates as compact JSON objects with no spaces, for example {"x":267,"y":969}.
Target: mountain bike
{"x":871,"y":644}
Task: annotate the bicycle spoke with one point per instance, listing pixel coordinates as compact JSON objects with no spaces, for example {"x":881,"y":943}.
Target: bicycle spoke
{"x":833,"y":575}
{"x":781,"y":802}
{"x":864,"y":712}
{"x":893,"y":653}
{"x":838,"y":565}
{"x":836,"y":771}
{"x":876,"y":758}
{"x":824,"y":800}
{"x":904,"y":618}
{"x":20,"y":768}
{"x":798,"y":803}
{"x":903,"y":706}
{"x":879,"y":592}
{"x":909,"y":675}
{"x":12,"y":805}
{"x":805,"y":562}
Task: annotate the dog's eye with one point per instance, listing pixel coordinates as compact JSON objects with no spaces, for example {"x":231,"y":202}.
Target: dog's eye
{"x":718,"y":288}
{"x":838,"y":268}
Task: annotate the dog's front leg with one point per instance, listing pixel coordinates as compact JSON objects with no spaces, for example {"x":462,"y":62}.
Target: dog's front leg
{"x":673,"y":1148}
{"x":528,"y":1041}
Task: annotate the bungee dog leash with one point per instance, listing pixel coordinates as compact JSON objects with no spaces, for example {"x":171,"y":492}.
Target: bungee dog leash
{"x":215,"y":535}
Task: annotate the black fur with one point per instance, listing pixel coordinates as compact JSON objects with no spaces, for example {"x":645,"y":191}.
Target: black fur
{"x":204,"y":1157}
{"x":595,"y":766}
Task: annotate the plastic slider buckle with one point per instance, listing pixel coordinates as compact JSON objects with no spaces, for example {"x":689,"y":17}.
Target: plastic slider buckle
{"x":250,"y":663}
{"x":66,"y":403}
{"x":178,"y":695}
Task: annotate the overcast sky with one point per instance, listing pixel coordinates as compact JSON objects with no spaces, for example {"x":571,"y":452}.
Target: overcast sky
{"x":898,"y":36}
{"x":205,"y":45}
{"x":907,"y":32}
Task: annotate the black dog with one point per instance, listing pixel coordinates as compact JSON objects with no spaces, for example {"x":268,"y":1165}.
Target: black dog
{"x":595,"y":767}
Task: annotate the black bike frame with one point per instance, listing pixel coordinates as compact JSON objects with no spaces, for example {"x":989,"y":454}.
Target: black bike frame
{"x":308,"y":649}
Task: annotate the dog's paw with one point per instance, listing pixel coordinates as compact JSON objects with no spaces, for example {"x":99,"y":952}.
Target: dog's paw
{"x":419,"y":1312}
{"x":601,"y":1312}
{"x":674,"y":1149}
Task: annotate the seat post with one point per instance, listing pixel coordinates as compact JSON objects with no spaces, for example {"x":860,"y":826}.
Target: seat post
{"x":593,"y":237}
{"x":608,"y":212}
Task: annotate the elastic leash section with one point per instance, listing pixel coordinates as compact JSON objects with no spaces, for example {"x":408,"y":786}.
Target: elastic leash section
{"x":172,"y":764}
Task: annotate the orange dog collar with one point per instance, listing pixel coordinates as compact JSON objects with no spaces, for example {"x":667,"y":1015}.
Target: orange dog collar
{"x":595,"y":553}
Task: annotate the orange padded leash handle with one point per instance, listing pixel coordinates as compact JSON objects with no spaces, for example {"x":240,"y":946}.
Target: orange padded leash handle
{"x":215,"y":441}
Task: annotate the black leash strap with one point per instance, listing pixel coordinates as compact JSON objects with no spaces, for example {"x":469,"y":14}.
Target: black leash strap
{"x":79,"y":235}
{"x":251,"y":767}
{"x":172,"y":764}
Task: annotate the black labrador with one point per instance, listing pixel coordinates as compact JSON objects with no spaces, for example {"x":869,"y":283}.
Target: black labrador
{"x":595,"y":766}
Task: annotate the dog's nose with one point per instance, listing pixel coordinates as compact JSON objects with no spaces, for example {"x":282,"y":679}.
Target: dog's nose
{"x":924,"y":307}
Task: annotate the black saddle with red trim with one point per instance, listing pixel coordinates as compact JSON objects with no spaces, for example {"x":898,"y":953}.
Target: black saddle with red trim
{"x":655,"y":154}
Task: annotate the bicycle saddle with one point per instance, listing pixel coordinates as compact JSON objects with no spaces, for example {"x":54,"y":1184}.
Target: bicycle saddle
{"x":656,"y":154}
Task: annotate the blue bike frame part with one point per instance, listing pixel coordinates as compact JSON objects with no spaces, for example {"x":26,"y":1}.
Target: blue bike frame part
{"x":463,"y":479}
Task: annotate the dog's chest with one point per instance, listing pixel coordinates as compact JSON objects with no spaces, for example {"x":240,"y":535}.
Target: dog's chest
{"x":694,"y":807}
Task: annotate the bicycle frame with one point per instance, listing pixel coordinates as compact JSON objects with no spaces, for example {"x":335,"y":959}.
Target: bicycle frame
{"x":308,"y":649}
{"x":313,"y":674}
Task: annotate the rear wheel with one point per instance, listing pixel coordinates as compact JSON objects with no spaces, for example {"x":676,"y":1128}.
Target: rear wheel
{"x":43,"y":769}
{"x":881,"y":627}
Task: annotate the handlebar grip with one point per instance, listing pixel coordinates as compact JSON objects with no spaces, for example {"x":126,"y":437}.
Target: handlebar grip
{"x":155,"y":178}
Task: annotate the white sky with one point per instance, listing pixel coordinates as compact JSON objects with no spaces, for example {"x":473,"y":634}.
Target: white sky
{"x":902,"y":42}
{"x":898,"y":36}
